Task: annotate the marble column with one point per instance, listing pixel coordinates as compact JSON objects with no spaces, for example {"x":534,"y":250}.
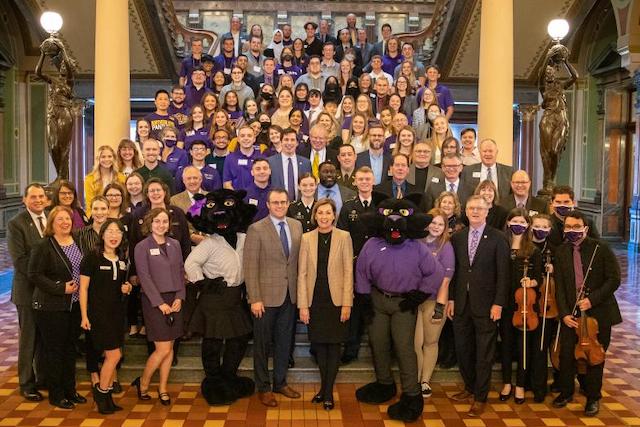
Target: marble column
{"x":524,"y":156}
{"x":634,"y":210}
{"x":495,"y":82}
{"x":112,"y":84}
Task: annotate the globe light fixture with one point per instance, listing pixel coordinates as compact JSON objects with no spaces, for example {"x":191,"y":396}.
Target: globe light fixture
{"x":558,"y":29}
{"x":51,"y":22}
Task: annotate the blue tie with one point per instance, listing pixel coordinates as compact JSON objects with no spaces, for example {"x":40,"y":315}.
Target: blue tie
{"x":291,"y":182}
{"x":284,"y":240}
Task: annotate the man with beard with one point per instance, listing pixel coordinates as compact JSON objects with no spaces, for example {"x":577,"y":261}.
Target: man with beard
{"x":374,"y":157}
{"x":329,"y":187}
{"x":178,"y":108}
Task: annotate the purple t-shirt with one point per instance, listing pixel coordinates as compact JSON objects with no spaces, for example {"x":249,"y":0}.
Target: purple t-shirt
{"x":191,"y":135}
{"x":159,"y":121}
{"x":237,"y":168}
{"x":294,"y":71}
{"x":193,"y":95}
{"x":397,"y":268}
{"x":258,"y":197}
{"x":389,"y":64}
{"x":176,"y":159}
{"x":445,"y":100}
{"x":187,"y":66}
{"x":180,"y":114}
{"x":223,"y":63}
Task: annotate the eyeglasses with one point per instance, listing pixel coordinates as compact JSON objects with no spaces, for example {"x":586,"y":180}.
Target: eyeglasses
{"x":65,"y":193}
{"x":155,"y":190}
{"x":451,"y":166}
{"x":198,"y":148}
{"x":113,"y":195}
{"x":114,"y":232}
{"x":577,"y":227}
{"x":520,"y":182}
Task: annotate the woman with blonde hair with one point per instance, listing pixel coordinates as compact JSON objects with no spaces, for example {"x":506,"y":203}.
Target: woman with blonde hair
{"x":431,"y":313}
{"x":441,"y":131}
{"x":128,"y":157}
{"x":359,"y":133}
{"x":449,"y":203}
{"x":364,"y":106}
{"x":405,"y":142}
{"x":329,"y":121}
{"x":104,"y":173}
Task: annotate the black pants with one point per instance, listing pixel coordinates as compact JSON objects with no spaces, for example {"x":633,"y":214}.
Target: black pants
{"x":234,"y":350}
{"x":592,"y":380}
{"x":475,"y":348}
{"x":447,"y":345}
{"x":507,"y":344}
{"x":31,"y":370}
{"x":536,"y":367}
{"x":328,"y":360}
{"x":275,"y":326}
{"x":134,"y":308}
{"x":60,"y":331}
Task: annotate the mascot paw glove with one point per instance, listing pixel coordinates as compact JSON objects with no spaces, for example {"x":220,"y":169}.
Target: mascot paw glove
{"x":211,"y":286}
{"x":412,"y":300}
{"x":438,"y":312}
{"x":364,"y":301}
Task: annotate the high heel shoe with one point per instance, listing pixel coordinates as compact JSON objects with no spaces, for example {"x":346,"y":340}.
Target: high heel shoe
{"x":166,"y":401}
{"x":505,"y":397}
{"x":318,"y":398}
{"x":518,"y":400}
{"x":141,"y":395}
{"x":328,"y":404}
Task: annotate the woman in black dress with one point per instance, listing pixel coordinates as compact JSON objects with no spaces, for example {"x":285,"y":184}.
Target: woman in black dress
{"x":102,"y":283}
{"x":325,"y":292}
{"x":497,"y":215}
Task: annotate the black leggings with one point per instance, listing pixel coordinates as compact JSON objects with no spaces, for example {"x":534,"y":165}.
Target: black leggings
{"x":328,"y":360}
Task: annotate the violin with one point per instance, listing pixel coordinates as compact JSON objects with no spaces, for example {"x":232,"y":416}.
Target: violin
{"x":548,"y":289}
{"x":525,"y":316}
{"x":588,"y":351}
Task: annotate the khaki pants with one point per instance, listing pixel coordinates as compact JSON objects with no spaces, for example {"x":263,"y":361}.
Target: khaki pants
{"x":426,"y":340}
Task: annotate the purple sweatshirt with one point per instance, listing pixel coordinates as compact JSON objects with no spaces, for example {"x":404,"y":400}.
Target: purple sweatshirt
{"x":397,"y":268}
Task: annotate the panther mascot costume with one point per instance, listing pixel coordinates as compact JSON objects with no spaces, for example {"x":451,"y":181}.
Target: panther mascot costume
{"x":395,"y":273}
{"x":221,"y":315}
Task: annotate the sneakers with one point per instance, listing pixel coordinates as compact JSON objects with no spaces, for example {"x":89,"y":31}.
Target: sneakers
{"x":426,"y":389}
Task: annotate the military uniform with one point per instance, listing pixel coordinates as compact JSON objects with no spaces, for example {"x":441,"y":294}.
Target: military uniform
{"x":299,"y":211}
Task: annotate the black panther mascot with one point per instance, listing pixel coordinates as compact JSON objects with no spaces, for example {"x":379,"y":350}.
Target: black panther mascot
{"x":221,"y":315}
{"x":395,"y":273}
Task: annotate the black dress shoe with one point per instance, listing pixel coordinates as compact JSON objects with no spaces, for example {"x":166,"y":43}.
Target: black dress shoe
{"x":63,"y":404}
{"x":505,"y":397}
{"x":174,"y":362}
{"x":164,"y":398}
{"x":346,"y":359}
{"x":32,"y":395}
{"x":555,"y":387}
{"x":76,"y":398}
{"x":561,"y":401}
{"x":142,"y":395}
{"x":317,"y":398}
{"x":592,"y":408}
{"x":538,"y":398}
{"x":518,"y":400}
{"x":328,"y":404}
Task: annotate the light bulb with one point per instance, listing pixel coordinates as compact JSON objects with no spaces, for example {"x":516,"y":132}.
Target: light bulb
{"x":558,"y":29}
{"x":51,"y":22}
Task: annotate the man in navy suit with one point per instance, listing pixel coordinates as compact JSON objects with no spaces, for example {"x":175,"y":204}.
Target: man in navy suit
{"x":287,"y":166}
{"x":374,"y":157}
{"x":477,"y":292}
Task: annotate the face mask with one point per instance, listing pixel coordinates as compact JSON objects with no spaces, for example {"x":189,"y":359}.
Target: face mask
{"x":266,"y":95}
{"x":540,"y":234}
{"x":517,"y":229}
{"x":169,"y":142}
{"x":432,"y":116}
{"x":332,"y":86}
{"x":573,"y":236}
{"x":265,"y":125}
{"x":563,"y":210}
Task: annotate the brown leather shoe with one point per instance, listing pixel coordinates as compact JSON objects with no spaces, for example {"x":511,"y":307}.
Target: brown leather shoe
{"x":267,"y":399}
{"x":288,"y":392}
{"x":462,"y":396}
{"x":477,"y":409}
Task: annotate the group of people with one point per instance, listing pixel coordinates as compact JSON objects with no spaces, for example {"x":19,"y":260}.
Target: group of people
{"x":315,"y":134}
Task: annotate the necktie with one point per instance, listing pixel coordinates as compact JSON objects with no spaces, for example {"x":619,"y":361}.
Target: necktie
{"x":284,"y":240}
{"x":316,"y":162}
{"x":41,"y":226}
{"x":399,"y":192}
{"x":291,"y":182}
{"x":452,"y":187}
{"x":475,"y":239}
{"x":577,"y":267}
{"x":365,"y":204}
{"x":520,"y":205}
{"x":489,"y":177}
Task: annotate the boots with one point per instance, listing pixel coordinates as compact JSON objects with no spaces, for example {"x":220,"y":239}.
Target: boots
{"x":112,"y":404}
{"x":102,"y":400}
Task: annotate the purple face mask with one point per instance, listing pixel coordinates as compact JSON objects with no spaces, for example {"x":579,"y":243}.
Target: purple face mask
{"x":540,"y":234}
{"x":563,"y":210}
{"x":518,"y":229}
{"x":169,"y":142}
{"x":573,"y":236}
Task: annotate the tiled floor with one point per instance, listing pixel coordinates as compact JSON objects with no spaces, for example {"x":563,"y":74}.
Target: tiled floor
{"x":620,"y":405}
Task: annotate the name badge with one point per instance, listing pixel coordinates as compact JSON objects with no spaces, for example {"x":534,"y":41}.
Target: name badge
{"x":372,"y":95}
{"x":378,"y":116}
{"x":257,"y":69}
{"x":227,"y":71}
{"x":123,"y":265}
{"x":392,"y":146}
{"x":105,"y":267}
{"x":213,"y":165}
{"x":208,"y":176}
{"x":476,"y":174}
{"x":253,"y":202}
{"x":154,"y":251}
{"x":305,"y":138}
{"x":532,"y":213}
{"x":280,"y":72}
{"x":243,"y":162}
{"x":435,"y":179}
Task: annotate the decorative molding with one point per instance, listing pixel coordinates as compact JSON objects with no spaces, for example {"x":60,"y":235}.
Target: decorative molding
{"x":528,"y":112}
{"x":134,"y":20}
{"x":466,"y":41}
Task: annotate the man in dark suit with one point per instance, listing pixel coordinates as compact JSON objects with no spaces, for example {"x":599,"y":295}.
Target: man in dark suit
{"x":478,"y":291}
{"x":380,"y":47}
{"x":562,"y":203}
{"x":489,"y":169}
{"x":351,"y":27}
{"x":374,"y":157}
{"x":583,"y":261}
{"x":287,"y":166}
{"x":270,"y":273}
{"x":268,"y":75}
{"x":421,"y":173}
{"x":330,"y":188}
{"x":323,"y":33}
{"x":344,"y":45}
{"x":365,"y":47}
{"x":347,"y":166}
{"x":451,"y":169}
{"x":25,"y":230}
{"x":521,"y":196}
{"x":398,"y":186}
{"x":317,"y":152}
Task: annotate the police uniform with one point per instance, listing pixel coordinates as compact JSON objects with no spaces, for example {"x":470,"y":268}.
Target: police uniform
{"x":299,"y":211}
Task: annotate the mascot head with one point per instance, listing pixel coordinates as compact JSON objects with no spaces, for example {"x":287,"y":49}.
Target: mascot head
{"x":396,"y":220}
{"x":221,"y":212}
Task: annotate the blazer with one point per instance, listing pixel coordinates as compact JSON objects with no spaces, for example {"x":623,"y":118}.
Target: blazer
{"x":434,"y":176}
{"x":277,"y":173}
{"x":331,"y":156}
{"x":386,"y":188}
{"x":339,"y":268}
{"x":471,"y":176}
{"x":49,"y":271}
{"x":22,"y":237}
{"x":534,"y":205}
{"x":183,"y":202}
{"x":364,"y":159}
{"x":366,"y":52}
{"x":159,"y":272}
{"x":434,"y":190}
{"x":486,"y":281}
{"x":602,"y":282}
{"x":268,"y":274}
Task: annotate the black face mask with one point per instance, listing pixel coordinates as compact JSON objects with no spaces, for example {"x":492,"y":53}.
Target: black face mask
{"x":265,"y":125}
{"x":266,"y":95}
{"x":353,"y":91}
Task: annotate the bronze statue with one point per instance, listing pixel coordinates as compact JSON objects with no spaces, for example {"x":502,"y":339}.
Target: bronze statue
{"x":60,"y":103}
{"x":554,"y":125}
